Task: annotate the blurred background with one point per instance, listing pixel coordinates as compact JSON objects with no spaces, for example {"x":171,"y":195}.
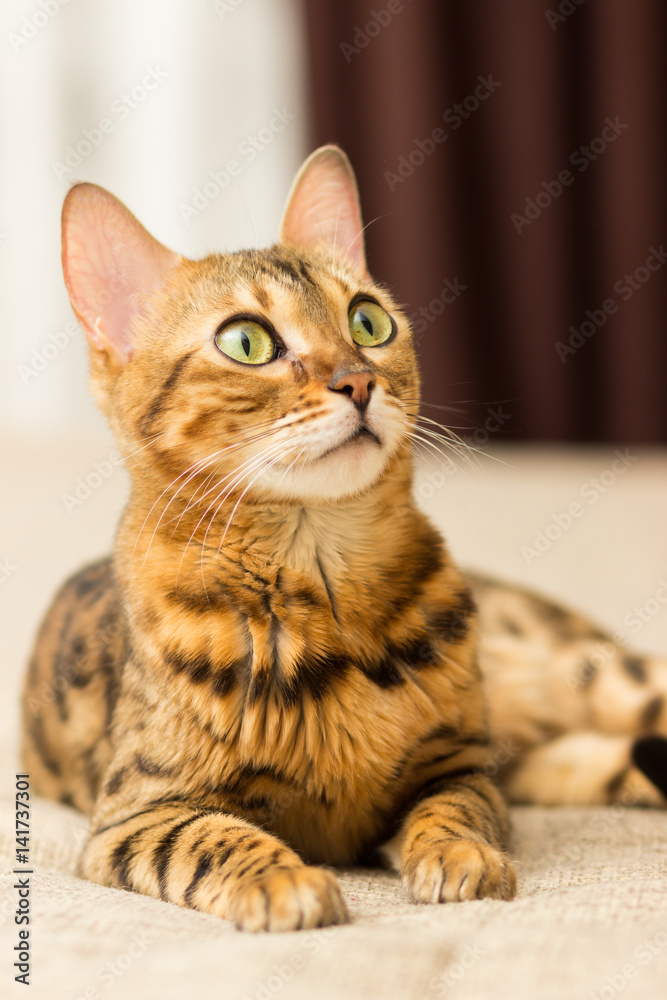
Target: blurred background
{"x":511,"y":159}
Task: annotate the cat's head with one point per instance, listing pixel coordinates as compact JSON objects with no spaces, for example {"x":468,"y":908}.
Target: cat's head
{"x":285,"y":371}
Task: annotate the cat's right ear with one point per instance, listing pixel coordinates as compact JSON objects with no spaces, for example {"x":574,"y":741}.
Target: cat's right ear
{"x":323,"y":207}
{"x":112,"y":265}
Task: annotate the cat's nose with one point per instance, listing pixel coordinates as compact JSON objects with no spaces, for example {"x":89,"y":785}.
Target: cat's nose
{"x":356,"y":385}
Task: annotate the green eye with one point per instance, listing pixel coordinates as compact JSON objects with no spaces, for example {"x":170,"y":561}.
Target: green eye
{"x":247,"y":342}
{"x":370,"y":325}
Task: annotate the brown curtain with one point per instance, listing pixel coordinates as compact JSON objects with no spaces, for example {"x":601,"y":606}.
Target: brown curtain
{"x":511,"y":160}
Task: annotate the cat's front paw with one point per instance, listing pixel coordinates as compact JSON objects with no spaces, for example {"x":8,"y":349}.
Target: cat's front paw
{"x":459,"y":869}
{"x":287,"y":900}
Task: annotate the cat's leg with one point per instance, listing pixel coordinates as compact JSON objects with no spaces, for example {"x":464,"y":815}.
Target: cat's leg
{"x":591,"y":768}
{"x":450,"y":844}
{"x":213,"y":862}
{"x":164,"y":826}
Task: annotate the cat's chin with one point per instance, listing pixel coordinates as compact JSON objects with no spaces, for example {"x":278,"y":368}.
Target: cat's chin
{"x":340,"y":473}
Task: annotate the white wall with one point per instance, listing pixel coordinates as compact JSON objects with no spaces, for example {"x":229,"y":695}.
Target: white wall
{"x":218,"y":69}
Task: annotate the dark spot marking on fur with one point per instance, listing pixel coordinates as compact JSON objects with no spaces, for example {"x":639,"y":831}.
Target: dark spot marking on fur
{"x":567,"y":626}
{"x":247,"y":867}
{"x":466,"y":815}
{"x":652,"y":712}
{"x":204,"y":867}
{"x":171,"y":799}
{"x":262,"y":295}
{"x":258,"y":803}
{"x":440,"y":758}
{"x":587,"y":673}
{"x":385,"y":673}
{"x":151,"y":767}
{"x":240,"y":782}
{"x":442,"y":732}
{"x":115,"y":781}
{"x":197,"y":600}
{"x":158,"y":402}
{"x":313,"y":674}
{"x":290,"y":270}
{"x":147,"y":616}
{"x":443,"y":782}
{"x":198,"y":668}
{"x":223,"y":682}
{"x":93,"y":580}
{"x":122,"y":857}
{"x":123,"y":854}
{"x":511,"y":626}
{"x":462,"y":772}
{"x":416,"y":651}
{"x":78,"y":646}
{"x":649,"y":754}
{"x":225,"y":853}
{"x":164,"y":849}
{"x":615,"y":784}
{"x":427,"y":560}
{"x":305,"y":596}
{"x":452,"y":623}
{"x":80,"y":680}
{"x":194,"y":847}
{"x":38,"y":737}
{"x":635,"y":666}
{"x":258,"y":686}
{"x":389,"y":671}
{"x":405,"y":579}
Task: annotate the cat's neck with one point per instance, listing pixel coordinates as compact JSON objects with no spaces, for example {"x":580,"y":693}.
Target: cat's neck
{"x":308,"y":537}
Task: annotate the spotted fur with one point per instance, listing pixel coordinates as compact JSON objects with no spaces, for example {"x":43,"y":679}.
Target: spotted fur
{"x":278,"y":667}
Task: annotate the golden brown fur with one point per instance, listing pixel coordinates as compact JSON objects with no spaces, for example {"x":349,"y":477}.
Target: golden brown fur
{"x":278,"y":667}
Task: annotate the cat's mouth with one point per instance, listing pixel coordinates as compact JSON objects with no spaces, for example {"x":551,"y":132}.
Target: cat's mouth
{"x":362,"y":432}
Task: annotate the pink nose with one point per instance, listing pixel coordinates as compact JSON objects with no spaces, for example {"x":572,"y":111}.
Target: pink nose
{"x":356,"y":385}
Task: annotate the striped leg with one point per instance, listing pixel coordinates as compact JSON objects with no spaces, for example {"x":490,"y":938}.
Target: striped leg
{"x":216,"y":863}
{"x":450,"y":844}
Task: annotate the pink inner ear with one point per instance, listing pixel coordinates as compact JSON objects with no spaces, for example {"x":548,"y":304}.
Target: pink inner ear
{"x":323,"y":207}
{"x":111,"y":264}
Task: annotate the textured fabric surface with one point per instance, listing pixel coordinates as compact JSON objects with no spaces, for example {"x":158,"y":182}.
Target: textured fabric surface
{"x":591,"y":912}
{"x":590,"y":919}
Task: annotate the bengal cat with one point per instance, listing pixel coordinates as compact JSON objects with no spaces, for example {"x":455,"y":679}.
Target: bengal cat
{"x":279,"y":667}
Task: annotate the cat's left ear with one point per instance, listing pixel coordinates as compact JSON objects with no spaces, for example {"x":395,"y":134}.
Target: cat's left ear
{"x":323,"y":207}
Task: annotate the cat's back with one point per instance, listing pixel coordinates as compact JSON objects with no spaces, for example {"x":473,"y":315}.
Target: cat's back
{"x":72,"y":687}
